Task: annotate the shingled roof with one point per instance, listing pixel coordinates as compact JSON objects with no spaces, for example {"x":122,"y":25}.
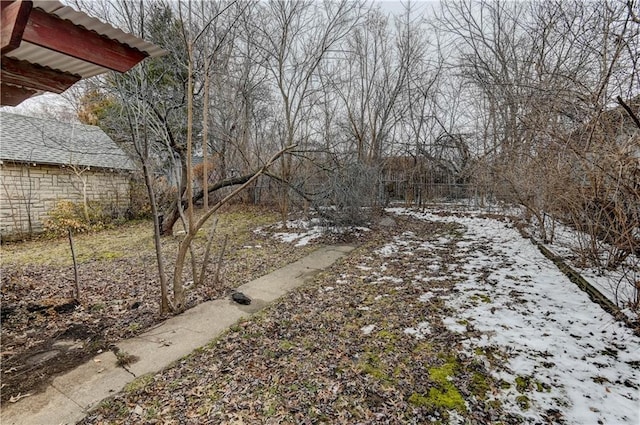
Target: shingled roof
{"x":43,"y":141}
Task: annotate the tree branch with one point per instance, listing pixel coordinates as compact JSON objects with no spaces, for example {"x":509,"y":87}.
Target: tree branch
{"x":627,"y":108}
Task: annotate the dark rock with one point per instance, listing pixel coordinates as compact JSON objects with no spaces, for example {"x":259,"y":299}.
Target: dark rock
{"x":60,"y":305}
{"x":42,"y":357}
{"x":240,"y":298}
{"x":6,"y":311}
{"x":76,"y":331}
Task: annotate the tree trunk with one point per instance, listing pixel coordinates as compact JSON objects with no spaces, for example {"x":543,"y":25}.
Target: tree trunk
{"x":178,"y":288}
{"x":164,"y":296}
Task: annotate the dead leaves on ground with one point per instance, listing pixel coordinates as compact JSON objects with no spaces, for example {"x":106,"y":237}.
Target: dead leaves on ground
{"x":335,"y":351}
{"x":119,"y":295}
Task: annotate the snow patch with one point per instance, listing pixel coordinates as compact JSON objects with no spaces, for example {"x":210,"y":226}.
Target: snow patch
{"x":367,"y":329}
{"x":419,"y":331}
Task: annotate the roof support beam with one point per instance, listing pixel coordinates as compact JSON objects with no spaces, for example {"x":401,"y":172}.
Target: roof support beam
{"x":32,"y":76}
{"x":56,"y":34}
{"x":13,"y":96}
{"x":15,"y":15}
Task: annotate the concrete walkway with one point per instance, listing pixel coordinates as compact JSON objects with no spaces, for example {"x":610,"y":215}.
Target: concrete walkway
{"x":70,"y":396}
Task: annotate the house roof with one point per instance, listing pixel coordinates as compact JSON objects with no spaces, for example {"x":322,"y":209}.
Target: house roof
{"x":43,"y":141}
{"x":47,"y":46}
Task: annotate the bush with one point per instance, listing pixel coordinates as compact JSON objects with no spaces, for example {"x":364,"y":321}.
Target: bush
{"x":69,"y":215}
{"x":350,"y":196}
{"x":139,"y":206}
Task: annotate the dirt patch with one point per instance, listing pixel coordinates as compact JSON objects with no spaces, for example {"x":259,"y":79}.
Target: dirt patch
{"x":26,"y":371}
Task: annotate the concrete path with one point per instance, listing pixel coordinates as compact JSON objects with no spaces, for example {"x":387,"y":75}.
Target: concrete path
{"x":70,"y":396}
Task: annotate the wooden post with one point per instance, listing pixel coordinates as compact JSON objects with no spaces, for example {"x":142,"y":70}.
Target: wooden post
{"x":75,"y":266}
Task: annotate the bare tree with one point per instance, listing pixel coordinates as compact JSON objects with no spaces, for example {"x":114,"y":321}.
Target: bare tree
{"x":545,"y":72}
{"x":295,"y":38}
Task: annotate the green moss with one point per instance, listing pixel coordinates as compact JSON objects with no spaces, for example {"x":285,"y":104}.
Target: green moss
{"x":440,"y":374}
{"x":309,"y":344}
{"x":522,"y":383}
{"x":494,"y":404}
{"x":505,"y":385}
{"x":123,"y":358}
{"x":214,"y":394}
{"x":174,"y":385}
{"x":386,"y":335}
{"x":153,"y":411}
{"x":310,"y":386}
{"x":444,"y":395}
{"x":134,"y":326}
{"x":485,"y":298}
{"x":480,"y":297}
{"x":599,"y":379}
{"x":419,"y":400}
{"x":448,"y":398}
{"x":479,"y":385}
{"x":371,"y":366}
{"x":106,"y":404}
{"x":98,"y":307}
{"x":109,"y":255}
{"x":286,"y":345}
{"x":523,"y":402}
{"x":423,"y":347}
{"x":270,"y":410}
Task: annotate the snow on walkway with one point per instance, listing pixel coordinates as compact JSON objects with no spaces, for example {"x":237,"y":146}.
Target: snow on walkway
{"x":562,"y":358}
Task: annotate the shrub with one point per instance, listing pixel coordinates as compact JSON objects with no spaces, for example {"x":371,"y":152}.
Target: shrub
{"x":69,"y":215}
{"x":350,"y":195}
{"x":139,"y":206}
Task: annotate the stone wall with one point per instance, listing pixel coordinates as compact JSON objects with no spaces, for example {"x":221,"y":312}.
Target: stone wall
{"x":28,"y":192}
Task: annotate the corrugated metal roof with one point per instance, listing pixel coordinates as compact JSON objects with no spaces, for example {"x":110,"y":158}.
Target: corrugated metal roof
{"x":61,"y":62}
{"x":55,"y":60}
{"x":44,"y":141}
{"x":93,"y":24}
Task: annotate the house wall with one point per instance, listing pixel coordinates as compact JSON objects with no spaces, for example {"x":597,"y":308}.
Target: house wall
{"x":28,"y":193}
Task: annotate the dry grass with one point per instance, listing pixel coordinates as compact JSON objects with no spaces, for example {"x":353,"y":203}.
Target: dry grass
{"x":108,"y":244}
{"x":131,"y":240}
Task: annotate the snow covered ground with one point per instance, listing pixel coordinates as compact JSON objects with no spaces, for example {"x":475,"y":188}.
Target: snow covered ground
{"x":561,"y":358}
{"x":301,"y":232}
{"x":617,"y":285}
{"x":559,"y":354}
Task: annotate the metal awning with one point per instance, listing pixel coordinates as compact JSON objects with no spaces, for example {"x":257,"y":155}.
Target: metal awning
{"x":47,"y":47}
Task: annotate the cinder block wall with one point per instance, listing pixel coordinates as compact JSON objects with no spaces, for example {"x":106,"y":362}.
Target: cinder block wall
{"x":28,"y":192}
